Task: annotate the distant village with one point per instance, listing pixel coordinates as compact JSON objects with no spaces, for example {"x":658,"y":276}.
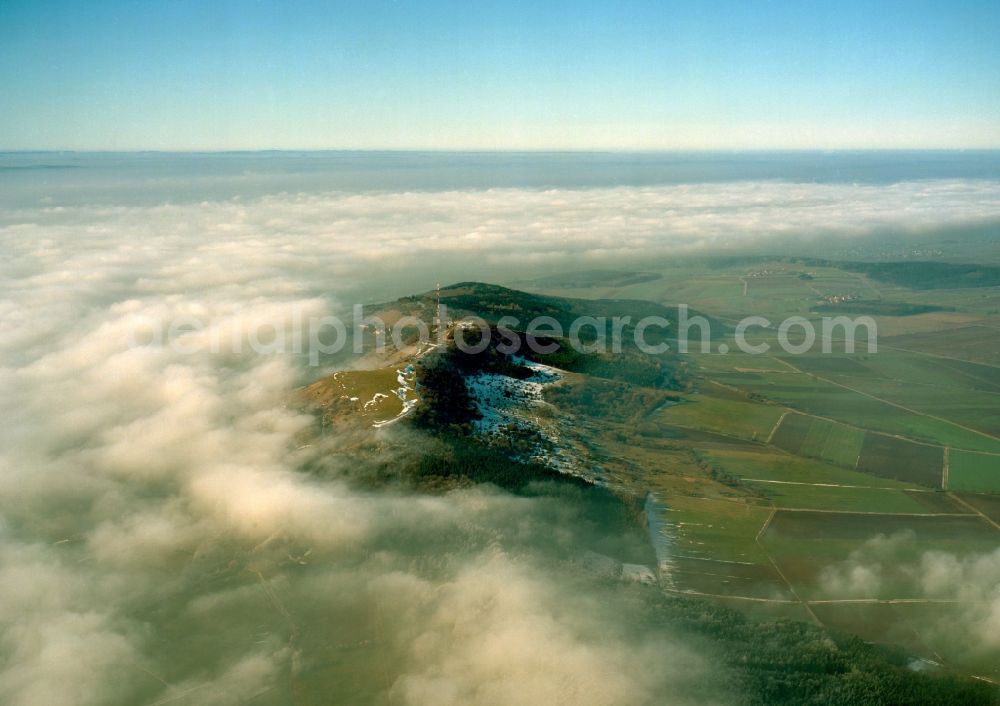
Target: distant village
{"x":839,"y":298}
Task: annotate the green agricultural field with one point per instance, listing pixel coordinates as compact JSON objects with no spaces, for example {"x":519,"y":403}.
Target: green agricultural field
{"x":815,"y":438}
{"x":856,"y":461}
{"x":982,"y":376}
{"x":952,"y":375}
{"x":813,"y":497}
{"x":834,"y":442}
{"x":729,"y":579}
{"x":844,"y":467}
{"x":830,"y":364}
{"x":747,"y":420}
{"x":736,"y":362}
{"x":773,"y":289}
{"x":975,"y":344}
{"x":889,"y":457}
{"x":927,"y":630}
{"x":974,"y":472}
{"x":875,"y":622}
{"x":716,"y":529}
{"x":775,"y":465}
{"x":819,"y":438}
{"x":989,"y":505}
{"x":792,"y":432}
{"x":805,"y":543}
{"x":811,"y":395}
{"x":965,"y":406}
{"x":767,"y":611}
{"x":961,"y":534}
{"x":843,"y":445}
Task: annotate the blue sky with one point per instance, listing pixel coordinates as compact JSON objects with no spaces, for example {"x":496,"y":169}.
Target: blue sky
{"x":202,"y":75}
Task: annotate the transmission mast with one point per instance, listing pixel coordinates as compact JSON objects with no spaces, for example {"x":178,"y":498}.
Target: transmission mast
{"x":437,"y":311}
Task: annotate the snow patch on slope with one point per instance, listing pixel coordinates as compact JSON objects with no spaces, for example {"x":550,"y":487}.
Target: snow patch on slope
{"x":508,"y":403}
{"x":513,"y":411}
{"x":407,"y":392}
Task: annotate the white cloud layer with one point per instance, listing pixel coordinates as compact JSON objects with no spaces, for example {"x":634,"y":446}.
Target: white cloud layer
{"x":159,"y":544}
{"x":967,"y":623}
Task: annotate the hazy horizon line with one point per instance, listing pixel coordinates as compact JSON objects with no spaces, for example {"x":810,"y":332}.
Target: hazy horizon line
{"x":432,"y":150}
